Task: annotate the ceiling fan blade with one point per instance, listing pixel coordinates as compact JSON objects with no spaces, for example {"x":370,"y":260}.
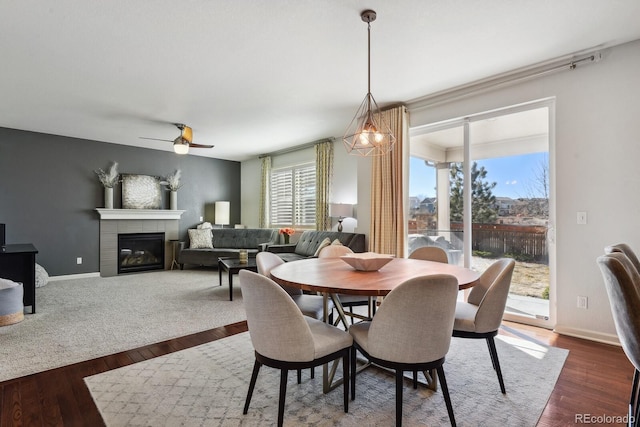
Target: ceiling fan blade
{"x":200,"y":145}
{"x":155,"y":139}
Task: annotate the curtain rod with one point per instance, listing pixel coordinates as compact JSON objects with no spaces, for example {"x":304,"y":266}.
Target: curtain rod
{"x":508,"y":78}
{"x":297,"y":147}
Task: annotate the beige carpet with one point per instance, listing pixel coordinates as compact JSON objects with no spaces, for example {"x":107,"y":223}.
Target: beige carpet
{"x":207,"y":385}
{"x":80,"y":319}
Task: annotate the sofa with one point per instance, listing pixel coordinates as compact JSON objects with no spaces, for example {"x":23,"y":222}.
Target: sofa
{"x":206,"y":245}
{"x":310,"y":243}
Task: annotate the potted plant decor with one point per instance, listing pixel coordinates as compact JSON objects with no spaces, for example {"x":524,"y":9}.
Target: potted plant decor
{"x":173,"y":183}
{"x":108,"y":179}
{"x":286,"y":233}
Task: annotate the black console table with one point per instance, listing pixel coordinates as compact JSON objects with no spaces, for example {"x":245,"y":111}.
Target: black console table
{"x":18,"y":263}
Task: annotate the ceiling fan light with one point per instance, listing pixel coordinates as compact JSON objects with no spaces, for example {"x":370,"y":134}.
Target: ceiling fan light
{"x":180,"y":145}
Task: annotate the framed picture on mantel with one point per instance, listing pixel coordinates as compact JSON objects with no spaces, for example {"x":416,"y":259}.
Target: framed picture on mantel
{"x":141,"y":192}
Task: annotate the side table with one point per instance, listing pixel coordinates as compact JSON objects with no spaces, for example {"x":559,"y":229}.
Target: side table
{"x":174,"y":244}
{"x":233,"y":266}
{"x":18,"y":263}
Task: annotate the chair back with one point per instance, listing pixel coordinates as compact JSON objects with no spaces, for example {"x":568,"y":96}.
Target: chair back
{"x":621,"y":279}
{"x":625,"y":249}
{"x":276,"y":324}
{"x":430,"y":253}
{"x":266,"y":261}
{"x":490,"y":294}
{"x":334,"y":251}
{"x":415,"y":321}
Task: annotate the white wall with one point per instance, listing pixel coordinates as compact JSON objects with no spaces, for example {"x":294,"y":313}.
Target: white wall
{"x":596,"y":161}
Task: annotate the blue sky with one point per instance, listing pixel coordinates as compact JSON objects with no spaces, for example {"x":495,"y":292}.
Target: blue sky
{"x":512,"y":174}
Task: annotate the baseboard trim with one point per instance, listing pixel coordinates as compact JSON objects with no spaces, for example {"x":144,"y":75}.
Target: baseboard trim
{"x":588,"y":335}
{"x":73,"y":276}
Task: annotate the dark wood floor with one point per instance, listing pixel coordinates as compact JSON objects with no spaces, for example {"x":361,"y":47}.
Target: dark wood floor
{"x":595,"y":380}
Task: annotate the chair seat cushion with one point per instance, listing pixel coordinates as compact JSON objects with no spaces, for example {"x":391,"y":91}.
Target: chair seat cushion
{"x":311,"y":305}
{"x":465,"y":317}
{"x":327,"y":339}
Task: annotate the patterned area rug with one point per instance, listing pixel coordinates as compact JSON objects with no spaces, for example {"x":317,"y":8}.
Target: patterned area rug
{"x":207,"y":385}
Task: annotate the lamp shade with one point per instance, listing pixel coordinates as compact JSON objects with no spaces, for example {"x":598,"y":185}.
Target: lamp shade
{"x":341,"y":210}
{"x":222,"y":213}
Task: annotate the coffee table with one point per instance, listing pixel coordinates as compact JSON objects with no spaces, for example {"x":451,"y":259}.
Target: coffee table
{"x":233,"y":266}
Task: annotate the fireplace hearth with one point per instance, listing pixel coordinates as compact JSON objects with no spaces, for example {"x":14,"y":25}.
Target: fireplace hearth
{"x":140,"y":252}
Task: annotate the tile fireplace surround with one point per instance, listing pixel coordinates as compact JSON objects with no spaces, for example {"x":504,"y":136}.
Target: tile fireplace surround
{"x":118,"y":221}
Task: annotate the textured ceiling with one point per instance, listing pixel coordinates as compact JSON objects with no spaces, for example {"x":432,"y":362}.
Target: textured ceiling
{"x":254,"y":77}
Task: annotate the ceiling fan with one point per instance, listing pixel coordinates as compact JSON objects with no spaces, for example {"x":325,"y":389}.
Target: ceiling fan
{"x":182,"y":143}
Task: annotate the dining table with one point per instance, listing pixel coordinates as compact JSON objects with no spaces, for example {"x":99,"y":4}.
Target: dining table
{"x":333,"y":276}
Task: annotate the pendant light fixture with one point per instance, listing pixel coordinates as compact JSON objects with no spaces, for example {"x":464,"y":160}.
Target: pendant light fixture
{"x":368,"y":134}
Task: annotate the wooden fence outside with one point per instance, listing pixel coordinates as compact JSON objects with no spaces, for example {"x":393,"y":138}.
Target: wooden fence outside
{"x":500,"y":239}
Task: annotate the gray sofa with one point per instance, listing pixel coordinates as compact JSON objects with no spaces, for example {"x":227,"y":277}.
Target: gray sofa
{"x":227,"y":242}
{"x":309,"y":242}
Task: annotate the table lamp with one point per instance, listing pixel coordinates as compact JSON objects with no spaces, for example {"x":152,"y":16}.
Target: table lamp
{"x":341,"y":211}
{"x":222,"y":213}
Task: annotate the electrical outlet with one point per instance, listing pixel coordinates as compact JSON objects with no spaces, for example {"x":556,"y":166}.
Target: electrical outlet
{"x":582,"y":218}
{"x":583,"y":302}
{"x":79,"y":260}
{"x":201,"y":219}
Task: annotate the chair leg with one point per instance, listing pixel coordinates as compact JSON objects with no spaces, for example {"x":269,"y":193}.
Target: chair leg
{"x":634,"y":400}
{"x":353,"y":373}
{"x":313,"y":373}
{"x":445,"y":393}
{"x":346,"y":366}
{"x":283,"y":392}
{"x":299,"y":376}
{"x":252,"y":384}
{"x":496,"y":362}
{"x":399,"y":384}
{"x":415,"y":380}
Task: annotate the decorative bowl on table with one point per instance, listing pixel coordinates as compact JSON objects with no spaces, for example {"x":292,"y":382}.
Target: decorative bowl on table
{"x":367,"y":261}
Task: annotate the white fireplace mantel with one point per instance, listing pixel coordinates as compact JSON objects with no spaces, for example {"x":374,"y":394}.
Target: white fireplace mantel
{"x":108,"y":214}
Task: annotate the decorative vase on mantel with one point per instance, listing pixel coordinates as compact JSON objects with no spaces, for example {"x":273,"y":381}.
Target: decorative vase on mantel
{"x":173,"y":200}
{"x":108,"y":197}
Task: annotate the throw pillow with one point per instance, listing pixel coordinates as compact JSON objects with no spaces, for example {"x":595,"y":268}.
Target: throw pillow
{"x":325,"y":242}
{"x":200,"y":239}
{"x":336,"y":242}
{"x":204,"y":225}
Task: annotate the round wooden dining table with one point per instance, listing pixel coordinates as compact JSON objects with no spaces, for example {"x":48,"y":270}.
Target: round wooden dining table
{"x":334,"y":276}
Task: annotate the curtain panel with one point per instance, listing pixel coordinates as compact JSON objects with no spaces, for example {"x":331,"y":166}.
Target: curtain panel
{"x":388,"y":231}
{"x":324,"y":176}
{"x":264,"y":221}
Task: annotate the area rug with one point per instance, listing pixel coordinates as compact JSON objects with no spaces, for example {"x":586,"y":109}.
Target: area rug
{"x":81,"y":319}
{"x":207,"y":385}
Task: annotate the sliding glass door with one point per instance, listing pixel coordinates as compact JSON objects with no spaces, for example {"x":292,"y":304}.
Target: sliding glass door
{"x":491,"y":198}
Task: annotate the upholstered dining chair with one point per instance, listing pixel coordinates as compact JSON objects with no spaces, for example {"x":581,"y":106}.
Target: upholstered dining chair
{"x":625,"y":249}
{"x":481,"y":315}
{"x":430,"y":253}
{"x":285,"y":339}
{"x":410,"y":332}
{"x":310,"y":305}
{"x":348,"y":301}
{"x":622,"y":281}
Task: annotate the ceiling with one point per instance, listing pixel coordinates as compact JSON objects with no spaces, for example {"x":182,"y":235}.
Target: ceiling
{"x":254,"y":77}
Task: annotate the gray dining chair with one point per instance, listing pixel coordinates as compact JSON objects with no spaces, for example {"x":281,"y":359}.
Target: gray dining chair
{"x":622,"y":282}
{"x":625,"y":249}
{"x":410,"y":332}
{"x":285,"y":339}
{"x":481,"y":315}
{"x":310,"y":305}
{"x":430,"y":253}
{"x":348,"y":301}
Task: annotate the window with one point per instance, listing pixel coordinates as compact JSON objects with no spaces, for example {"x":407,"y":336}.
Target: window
{"x":293,"y":196}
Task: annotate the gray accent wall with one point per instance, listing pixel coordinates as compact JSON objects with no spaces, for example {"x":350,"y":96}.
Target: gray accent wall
{"x":49,"y":192}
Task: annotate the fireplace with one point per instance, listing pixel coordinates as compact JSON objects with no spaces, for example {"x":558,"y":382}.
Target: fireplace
{"x":140,"y":252}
